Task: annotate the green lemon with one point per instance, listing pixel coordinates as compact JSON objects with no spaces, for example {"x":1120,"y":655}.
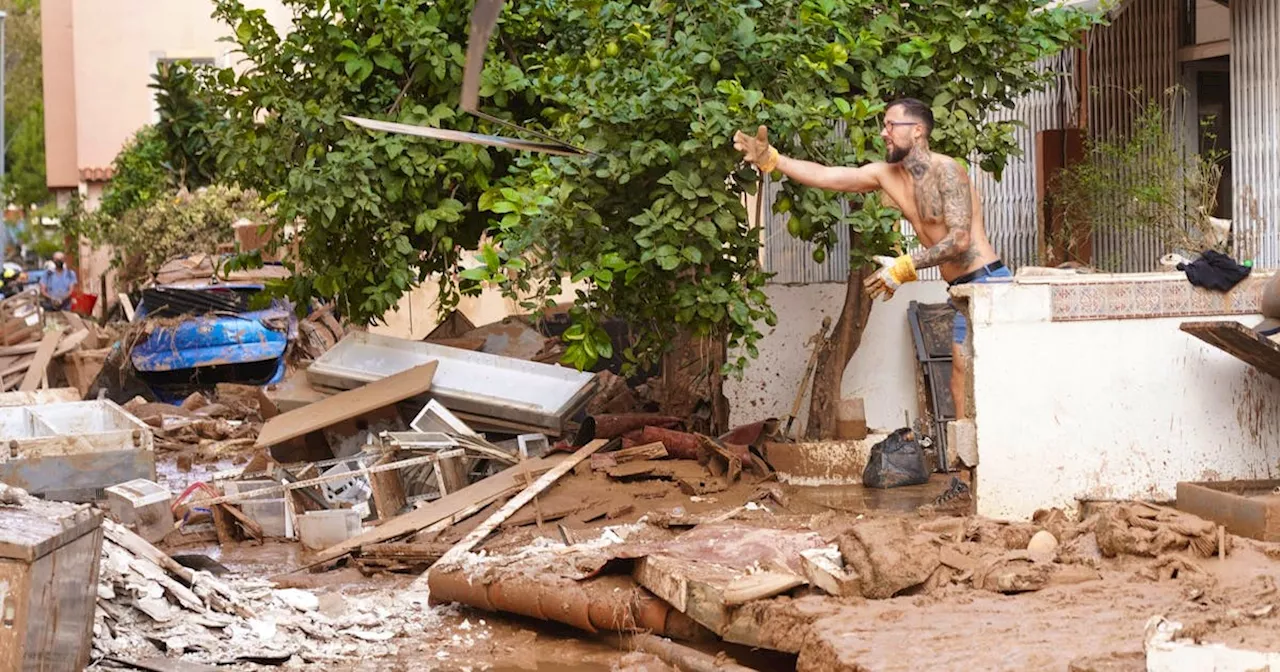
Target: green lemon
{"x":611,"y":49}
{"x":715,"y":66}
{"x":819,"y":255}
{"x":793,"y":227}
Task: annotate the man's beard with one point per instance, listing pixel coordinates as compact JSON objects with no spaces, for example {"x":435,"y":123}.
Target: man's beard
{"x":897,"y":154}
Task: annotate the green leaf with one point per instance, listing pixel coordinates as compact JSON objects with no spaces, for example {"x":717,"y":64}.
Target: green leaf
{"x":490,"y":257}
{"x":478,"y":274}
{"x":957,"y":43}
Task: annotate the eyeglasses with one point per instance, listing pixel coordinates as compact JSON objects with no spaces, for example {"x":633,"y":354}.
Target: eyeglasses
{"x":887,"y":124}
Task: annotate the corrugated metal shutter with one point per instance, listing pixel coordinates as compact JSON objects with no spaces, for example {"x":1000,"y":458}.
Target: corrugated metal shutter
{"x":1138,"y":50}
{"x":1008,"y":205}
{"x":1255,"y":129}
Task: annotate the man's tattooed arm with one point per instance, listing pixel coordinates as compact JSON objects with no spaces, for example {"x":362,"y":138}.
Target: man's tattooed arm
{"x":952,"y":194}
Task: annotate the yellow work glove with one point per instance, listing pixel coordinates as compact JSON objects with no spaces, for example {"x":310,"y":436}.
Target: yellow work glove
{"x":757,"y":150}
{"x":894,"y":272}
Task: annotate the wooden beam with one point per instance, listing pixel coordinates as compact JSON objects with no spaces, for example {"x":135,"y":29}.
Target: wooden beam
{"x":1207,"y":50}
{"x":388,"y":488}
{"x":545,"y":481}
{"x":40,"y":364}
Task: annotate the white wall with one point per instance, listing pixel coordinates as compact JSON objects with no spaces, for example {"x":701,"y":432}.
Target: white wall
{"x":882,"y":371}
{"x":1108,"y":408}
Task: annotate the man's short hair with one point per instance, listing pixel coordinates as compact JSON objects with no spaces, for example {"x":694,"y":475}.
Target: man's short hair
{"x":916,"y":110}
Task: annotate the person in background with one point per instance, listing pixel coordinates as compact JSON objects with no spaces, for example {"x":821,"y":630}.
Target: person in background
{"x":58,"y":285}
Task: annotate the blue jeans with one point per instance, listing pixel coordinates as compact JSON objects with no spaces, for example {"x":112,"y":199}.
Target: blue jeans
{"x":960,"y":326}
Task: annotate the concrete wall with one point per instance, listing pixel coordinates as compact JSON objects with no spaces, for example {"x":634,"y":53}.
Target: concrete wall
{"x":882,"y":371}
{"x":1086,"y":389}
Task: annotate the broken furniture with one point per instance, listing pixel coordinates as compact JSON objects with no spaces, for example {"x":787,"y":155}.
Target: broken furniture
{"x":931,"y":326}
{"x":49,"y":555}
{"x":1246,"y":508}
{"x":73,"y":451}
{"x":482,"y":389}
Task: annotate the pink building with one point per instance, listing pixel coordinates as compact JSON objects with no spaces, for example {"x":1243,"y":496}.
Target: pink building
{"x":98,"y":61}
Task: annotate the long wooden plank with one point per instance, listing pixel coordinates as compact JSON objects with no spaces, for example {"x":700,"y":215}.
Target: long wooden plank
{"x":476,"y":495}
{"x":347,"y":405}
{"x":41,"y":362}
{"x":1240,"y":342}
{"x":545,"y":481}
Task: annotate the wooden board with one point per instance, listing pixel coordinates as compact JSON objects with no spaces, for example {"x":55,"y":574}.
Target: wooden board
{"x":648,"y":451}
{"x":476,"y":496}
{"x":554,"y":507}
{"x":388,"y":488}
{"x":40,"y":364}
{"x":347,"y":405}
{"x":1240,"y":342}
{"x":545,"y":481}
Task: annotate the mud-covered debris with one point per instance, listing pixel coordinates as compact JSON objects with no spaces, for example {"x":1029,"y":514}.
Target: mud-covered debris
{"x":888,"y":556}
{"x":1143,"y":529}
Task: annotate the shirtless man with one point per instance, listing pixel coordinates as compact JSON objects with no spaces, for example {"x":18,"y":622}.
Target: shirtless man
{"x":932,"y":191}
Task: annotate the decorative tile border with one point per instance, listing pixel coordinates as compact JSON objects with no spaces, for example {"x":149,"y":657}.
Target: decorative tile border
{"x":1118,"y":299}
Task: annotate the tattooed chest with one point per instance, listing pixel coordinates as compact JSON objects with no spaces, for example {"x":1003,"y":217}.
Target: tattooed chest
{"x":928,"y":195}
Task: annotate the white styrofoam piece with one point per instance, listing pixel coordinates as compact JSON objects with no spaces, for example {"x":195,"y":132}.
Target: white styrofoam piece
{"x":140,"y":492}
{"x":543,"y":395}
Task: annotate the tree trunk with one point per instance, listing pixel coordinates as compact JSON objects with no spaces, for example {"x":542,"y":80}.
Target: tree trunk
{"x":834,"y":356}
{"x":692,"y":387}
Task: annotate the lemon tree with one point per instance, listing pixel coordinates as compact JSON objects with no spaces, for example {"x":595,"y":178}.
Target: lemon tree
{"x":653,"y":223}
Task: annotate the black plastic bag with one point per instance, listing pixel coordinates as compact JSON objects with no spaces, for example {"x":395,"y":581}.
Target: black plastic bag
{"x":896,"y":461}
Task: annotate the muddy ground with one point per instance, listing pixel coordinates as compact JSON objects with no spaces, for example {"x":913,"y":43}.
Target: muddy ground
{"x":1096,"y":625}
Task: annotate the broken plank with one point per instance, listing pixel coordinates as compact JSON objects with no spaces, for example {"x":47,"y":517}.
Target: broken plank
{"x":127,"y":306}
{"x":546,"y":480}
{"x":475,"y":495}
{"x":666,"y":469}
{"x":347,"y":405}
{"x":758,"y":586}
{"x":388,"y":489}
{"x":1239,"y":341}
{"x":551,"y":510}
{"x":648,"y":451}
{"x":249,"y":525}
{"x":40,"y":363}
{"x":719,"y":459}
{"x":415,"y":552}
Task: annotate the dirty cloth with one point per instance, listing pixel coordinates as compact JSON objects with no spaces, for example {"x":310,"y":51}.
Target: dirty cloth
{"x":1215,"y":270}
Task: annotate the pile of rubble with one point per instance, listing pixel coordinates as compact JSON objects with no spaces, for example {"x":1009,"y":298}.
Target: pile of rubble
{"x":204,"y":427}
{"x":149,"y":604}
{"x":41,"y":350}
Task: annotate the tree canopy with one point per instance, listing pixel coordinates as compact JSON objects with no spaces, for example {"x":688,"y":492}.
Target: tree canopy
{"x":653,"y":222}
